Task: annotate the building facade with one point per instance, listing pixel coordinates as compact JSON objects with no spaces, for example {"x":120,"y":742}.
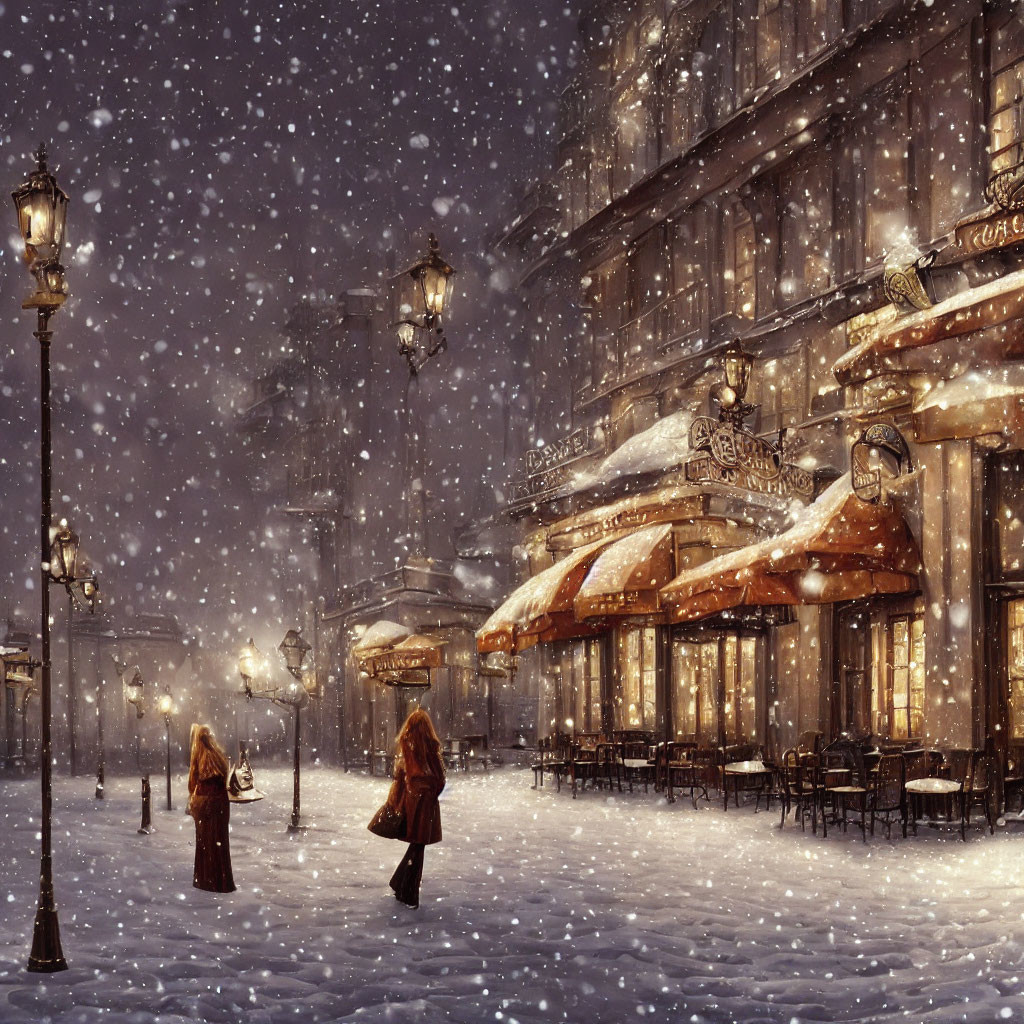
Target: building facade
{"x":353,"y":533}
{"x":838,"y":548}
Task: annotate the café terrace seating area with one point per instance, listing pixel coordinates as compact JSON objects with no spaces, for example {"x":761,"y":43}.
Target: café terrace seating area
{"x":883,"y":788}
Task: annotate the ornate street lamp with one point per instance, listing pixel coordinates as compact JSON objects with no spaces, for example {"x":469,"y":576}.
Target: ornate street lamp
{"x":294,"y":650}
{"x":41,"y":207}
{"x":423,"y":300}
{"x":421,"y":297}
{"x":166,"y":708}
{"x":250,"y":663}
{"x":134,"y":689}
{"x":253,"y":669}
{"x":65,"y":556}
{"x":731,"y":394}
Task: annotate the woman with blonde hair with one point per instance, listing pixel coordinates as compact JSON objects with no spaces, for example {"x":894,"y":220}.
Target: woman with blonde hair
{"x":208,"y":804}
{"x":419,"y":779}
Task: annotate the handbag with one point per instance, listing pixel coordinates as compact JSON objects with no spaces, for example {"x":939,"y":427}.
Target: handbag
{"x":388,"y":823}
{"x":241,"y":785}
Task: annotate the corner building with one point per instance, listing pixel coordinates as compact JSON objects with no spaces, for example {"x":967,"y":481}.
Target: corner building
{"x":839,"y":186}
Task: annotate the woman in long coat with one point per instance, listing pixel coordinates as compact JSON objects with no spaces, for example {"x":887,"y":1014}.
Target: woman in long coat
{"x":209,"y":806}
{"x":419,"y":779}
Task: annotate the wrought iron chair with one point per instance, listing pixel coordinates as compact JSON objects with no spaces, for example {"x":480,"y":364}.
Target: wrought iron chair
{"x":981,"y":789}
{"x":888,"y":795}
{"x":798,"y":777}
{"x":636,"y":763}
{"x":843,"y":787}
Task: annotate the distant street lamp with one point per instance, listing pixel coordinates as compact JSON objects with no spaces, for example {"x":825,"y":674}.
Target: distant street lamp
{"x":255,"y":673}
{"x":166,"y":708}
{"x":83,"y":591}
{"x":423,"y":299}
{"x":134,"y":689}
{"x":41,"y":207}
{"x":731,"y":394}
{"x":294,"y":650}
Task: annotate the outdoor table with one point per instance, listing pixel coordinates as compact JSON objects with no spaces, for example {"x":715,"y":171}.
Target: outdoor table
{"x":736,"y":770}
{"x":917,"y":788}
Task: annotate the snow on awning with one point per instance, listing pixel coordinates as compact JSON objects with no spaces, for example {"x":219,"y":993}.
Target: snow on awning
{"x":989,"y":305}
{"x":626,"y":577}
{"x":840,"y":549}
{"x":989,"y":400}
{"x":414,"y":652}
{"x":382,"y":634}
{"x":542,"y":607}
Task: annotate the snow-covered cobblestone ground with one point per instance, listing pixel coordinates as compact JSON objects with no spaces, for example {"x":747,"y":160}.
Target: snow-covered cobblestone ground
{"x":535,"y":908}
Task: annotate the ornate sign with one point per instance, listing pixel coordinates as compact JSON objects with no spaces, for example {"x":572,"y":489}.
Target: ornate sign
{"x":740,"y":459}
{"x":558,"y":453}
{"x":994,"y":232}
{"x":879,"y":454}
{"x":547,"y":468}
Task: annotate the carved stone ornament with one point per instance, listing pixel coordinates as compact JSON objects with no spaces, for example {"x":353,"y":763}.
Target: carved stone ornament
{"x":1006,"y":189}
{"x":902,"y":284}
{"x":879,"y":455}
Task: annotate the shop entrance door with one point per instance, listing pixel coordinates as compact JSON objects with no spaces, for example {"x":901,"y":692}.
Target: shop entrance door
{"x":716,"y":689}
{"x":851,"y":687}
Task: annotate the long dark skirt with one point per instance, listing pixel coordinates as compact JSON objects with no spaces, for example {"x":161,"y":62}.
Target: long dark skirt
{"x":210,"y":809}
{"x":406,"y":879}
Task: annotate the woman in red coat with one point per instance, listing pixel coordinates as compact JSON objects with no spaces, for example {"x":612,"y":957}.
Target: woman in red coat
{"x":419,"y":779}
{"x":208,"y":804}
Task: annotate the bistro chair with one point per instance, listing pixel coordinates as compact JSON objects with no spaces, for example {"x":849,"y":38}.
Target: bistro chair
{"x":475,"y":750}
{"x":682,"y":771}
{"x":609,"y":765}
{"x":808,"y":742}
{"x":582,"y":766}
{"x":888,"y":796}
{"x":553,"y":757}
{"x":981,"y":790}
{"x":843,"y":787}
{"x":1013,"y":779}
{"x":709,"y":762}
{"x":636,"y":763}
{"x":798,"y":779}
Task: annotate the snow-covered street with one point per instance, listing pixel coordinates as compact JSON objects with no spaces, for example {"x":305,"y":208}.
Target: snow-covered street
{"x":535,"y":908}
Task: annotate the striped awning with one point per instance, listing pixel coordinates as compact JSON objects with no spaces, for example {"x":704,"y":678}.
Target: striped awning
{"x":841,"y":549}
{"x":542,"y":607}
{"x":626,"y":577}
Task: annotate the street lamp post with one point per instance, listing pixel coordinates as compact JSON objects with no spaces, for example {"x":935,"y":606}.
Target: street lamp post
{"x":166,"y":708}
{"x":422,"y":297}
{"x":254,"y":670}
{"x":733,"y":390}
{"x":83,"y":591}
{"x":41,"y":207}
{"x":134,"y":688}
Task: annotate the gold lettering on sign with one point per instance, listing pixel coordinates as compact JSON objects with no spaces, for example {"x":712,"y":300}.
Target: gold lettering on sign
{"x":736,"y":457}
{"x":994,"y":232}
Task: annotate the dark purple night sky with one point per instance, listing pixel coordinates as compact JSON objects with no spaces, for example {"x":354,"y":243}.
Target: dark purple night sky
{"x":223,"y":159}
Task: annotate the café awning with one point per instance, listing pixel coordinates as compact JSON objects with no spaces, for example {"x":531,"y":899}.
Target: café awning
{"x":542,"y":607}
{"x":997,"y":305}
{"x":409,"y":653}
{"x":626,"y":577}
{"x":840,"y":549}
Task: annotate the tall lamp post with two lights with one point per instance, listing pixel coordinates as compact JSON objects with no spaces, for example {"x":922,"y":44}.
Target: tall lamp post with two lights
{"x":254,"y":670}
{"x":82,"y":591}
{"x":422,"y":299}
{"x":41,"y":206}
